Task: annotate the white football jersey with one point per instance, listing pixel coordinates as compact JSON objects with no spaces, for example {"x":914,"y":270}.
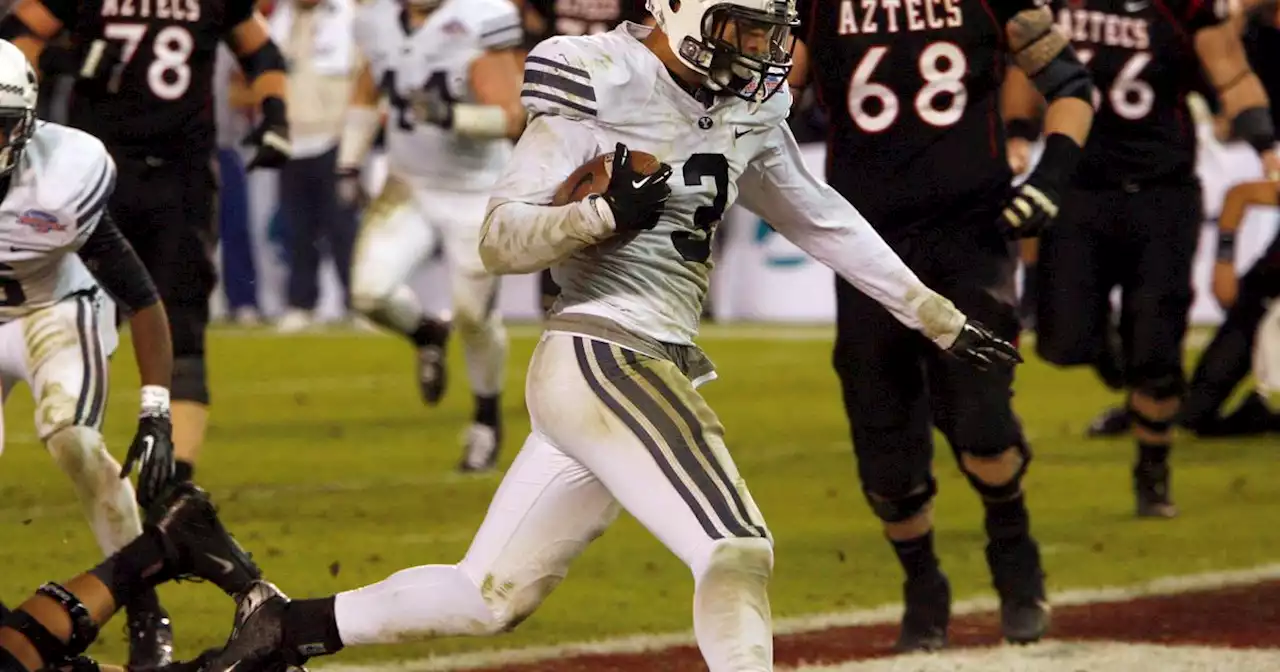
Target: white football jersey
{"x":438,"y":54}
{"x":56,"y":198}
{"x":585,"y":94}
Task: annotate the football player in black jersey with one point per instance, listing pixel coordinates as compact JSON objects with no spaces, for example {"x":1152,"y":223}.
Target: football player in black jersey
{"x":1228,"y":359}
{"x":144,"y":86}
{"x":918,"y":145}
{"x":1134,"y":209}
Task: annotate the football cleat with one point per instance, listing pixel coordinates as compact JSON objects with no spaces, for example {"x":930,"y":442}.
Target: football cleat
{"x":256,"y":643}
{"x":150,"y":640}
{"x":432,"y":376}
{"x":928,"y":611}
{"x":1111,"y":422}
{"x":1019,"y":580}
{"x":1151,"y":487}
{"x":480,"y":448}
{"x":196,"y":545}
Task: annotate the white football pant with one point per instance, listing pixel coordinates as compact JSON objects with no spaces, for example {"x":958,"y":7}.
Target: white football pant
{"x":61,"y":352}
{"x":399,"y":229}
{"x":610,"y":428}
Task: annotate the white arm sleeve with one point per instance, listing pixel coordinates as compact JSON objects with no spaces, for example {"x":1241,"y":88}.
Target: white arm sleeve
{"x":522,"y":233}
{"x":780,"y":189}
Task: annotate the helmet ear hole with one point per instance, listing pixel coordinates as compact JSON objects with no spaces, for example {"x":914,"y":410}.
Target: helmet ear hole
{"x":674,"y":5}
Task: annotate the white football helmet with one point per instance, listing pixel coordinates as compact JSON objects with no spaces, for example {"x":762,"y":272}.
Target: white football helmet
{"x":18,"y":93}
{"x":742,"y":47}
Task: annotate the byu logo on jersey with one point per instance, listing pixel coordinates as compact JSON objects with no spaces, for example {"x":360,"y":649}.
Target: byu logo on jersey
{"x":41,"y":221}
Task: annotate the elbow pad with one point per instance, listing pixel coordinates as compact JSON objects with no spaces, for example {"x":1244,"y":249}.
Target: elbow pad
{"x":1254,"y":126}
{"x":266,"y":59}
{"x":1045,"y":54}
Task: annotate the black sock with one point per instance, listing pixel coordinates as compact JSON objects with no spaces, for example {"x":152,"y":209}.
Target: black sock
{"x":183,"y":470}
{"x":1007,"y":520}
{"x":1153,"y":454}
{"x":916,"y":555}
{"x":134,"y":570}
{"x":311,"y":628}
{"x":487,"y":409}
{"x":429,"y":332}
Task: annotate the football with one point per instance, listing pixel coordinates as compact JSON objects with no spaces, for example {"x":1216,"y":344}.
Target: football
{"x":592,"y":177}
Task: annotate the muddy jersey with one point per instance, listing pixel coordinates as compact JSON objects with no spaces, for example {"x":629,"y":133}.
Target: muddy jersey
{"x":56,"y":197}
{"x":912,"y":90}
{"x":1141,"y":56}
{"x":163,"y":103}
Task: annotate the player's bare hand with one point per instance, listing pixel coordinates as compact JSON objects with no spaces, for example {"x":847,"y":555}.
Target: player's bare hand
{"x":152,"y":451}
{"x":1226,"y":286}
{"x":1033,"y":208}
{"x":978,"y":346}
{"x":637,"y":201}
{"x":1018,"y":151}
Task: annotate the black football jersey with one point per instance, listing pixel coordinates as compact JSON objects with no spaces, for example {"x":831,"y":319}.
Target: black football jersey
{"x":1143,"y":62}
{"x":912,"y":89}
{"x":164,"y":102}
{"x":588,"y":17}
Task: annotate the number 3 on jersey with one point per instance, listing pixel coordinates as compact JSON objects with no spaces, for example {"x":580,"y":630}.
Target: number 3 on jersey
{"x":169,"y":75}
{"x":706,"y":218}
{"x":942,"y":66}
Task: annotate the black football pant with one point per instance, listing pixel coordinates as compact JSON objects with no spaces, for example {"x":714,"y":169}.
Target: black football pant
{"x":1229,"y":358}
{"x":897,"y":384}
{"x":168,"y":211}
{"x":1141,"y":239}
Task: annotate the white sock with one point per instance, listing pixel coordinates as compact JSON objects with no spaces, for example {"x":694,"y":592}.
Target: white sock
{"x":426,"y":601}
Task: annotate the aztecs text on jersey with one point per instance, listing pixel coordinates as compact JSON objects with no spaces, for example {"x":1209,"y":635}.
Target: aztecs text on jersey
{"x":615,"y":90}
{"x":1142,"y":59}
{"x":588,"y":17}
{"x":437,"y":55}
{"x":56,"y":198}
{"x":912,"y":88}
{"x":163,"y":105}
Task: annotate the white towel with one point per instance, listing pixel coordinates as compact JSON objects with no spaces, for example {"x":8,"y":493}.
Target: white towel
{"x":332,"y":46}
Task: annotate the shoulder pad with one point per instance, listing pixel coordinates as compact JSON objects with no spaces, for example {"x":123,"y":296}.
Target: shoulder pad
{"x":66,"y":182}
{"x":496,"y":23}
{"x":580,"y":77}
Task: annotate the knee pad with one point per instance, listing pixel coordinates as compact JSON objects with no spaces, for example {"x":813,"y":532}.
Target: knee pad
{"x":901,"y":509}
{"x":736,"y":559}
{"x":189,"y":380}
{"x":50,"y":648}
{"x":187,"y":327}
{"x":1003,"y":491}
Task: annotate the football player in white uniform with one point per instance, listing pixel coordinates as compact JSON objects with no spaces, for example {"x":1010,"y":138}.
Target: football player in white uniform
{"x":450,"y":73}
{"x":617,"y":421}
{"x":59,"y":250}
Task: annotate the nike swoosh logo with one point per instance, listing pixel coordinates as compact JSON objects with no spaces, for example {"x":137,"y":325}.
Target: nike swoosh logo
{"x":639,"y":183}
{"x":150,"y":442}
{"x":223,"y":564}
{"x":739,"y":134}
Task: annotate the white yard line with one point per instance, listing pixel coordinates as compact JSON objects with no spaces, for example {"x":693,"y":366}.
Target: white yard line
{"x":886,"y":614}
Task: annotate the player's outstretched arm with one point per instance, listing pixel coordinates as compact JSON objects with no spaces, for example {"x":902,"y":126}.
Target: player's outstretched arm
{"x":780,"y":189}
{"x":1226,"y":286}
{"x":29,"y":26}
{"x":1244,"y":100}
{"x":1044,"y":54}
{"x":359,"y":128}
{"x":264,"y":66}
{"x":121,"y":273}
{"x":494,"y":77}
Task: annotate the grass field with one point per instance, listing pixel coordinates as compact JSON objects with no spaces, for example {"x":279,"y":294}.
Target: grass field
{"x":329,"y":469}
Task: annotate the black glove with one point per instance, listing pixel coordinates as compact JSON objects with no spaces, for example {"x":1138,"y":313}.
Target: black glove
{"x":983,"y":349}
{"x":350,"y":190}
{"x":636,"y":200}
{"x":1035,"y":203}
{"x":271,"y":137}
{"x":152,"y":451}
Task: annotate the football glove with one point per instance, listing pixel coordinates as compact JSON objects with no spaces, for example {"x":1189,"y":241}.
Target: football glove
{"x":152,"y":451}
{"x":1033,"y":207}
{"x":983,"y":349}
{"x":271,"y":137}
{"x":636,"y":200}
